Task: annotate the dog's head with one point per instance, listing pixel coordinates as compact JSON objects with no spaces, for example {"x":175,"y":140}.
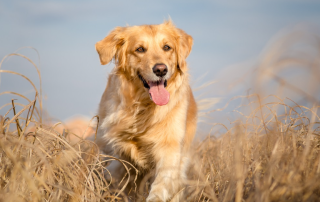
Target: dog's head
{"x":153,"y":53}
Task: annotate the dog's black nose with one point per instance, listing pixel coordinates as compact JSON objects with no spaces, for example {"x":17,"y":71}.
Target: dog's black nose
{"x":160,"y":70}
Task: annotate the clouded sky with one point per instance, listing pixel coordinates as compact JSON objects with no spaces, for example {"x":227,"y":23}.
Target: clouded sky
{"x":65,"y":32}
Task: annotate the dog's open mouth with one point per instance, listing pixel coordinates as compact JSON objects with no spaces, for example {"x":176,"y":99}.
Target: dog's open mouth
{"x":158,"y":94}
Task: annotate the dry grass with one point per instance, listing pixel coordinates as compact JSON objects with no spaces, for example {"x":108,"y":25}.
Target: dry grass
{"x":271,"y":153}
{"x":264,"y":157}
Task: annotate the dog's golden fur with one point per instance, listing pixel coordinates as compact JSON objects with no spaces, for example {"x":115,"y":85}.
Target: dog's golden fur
{"x":131,"y":125}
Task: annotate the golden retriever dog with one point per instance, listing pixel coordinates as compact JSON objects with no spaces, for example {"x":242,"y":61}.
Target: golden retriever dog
{"x":147,"y":112}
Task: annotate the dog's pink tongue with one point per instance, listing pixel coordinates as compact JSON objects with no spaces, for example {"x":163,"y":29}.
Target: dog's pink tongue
{"x":158,"y":93}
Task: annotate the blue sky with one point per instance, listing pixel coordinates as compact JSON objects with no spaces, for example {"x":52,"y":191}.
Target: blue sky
{"x":65,"y":32}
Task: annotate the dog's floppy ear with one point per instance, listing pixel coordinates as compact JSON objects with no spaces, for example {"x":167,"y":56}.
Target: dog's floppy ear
{"x":183,"y":46}
{"x":108,"y":47}
{"x":185,"y":43}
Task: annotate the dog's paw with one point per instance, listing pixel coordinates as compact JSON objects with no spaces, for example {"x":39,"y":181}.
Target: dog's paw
{"x":158,"y":195}
{"x":153,"y":198}
{"x":162,"y":195}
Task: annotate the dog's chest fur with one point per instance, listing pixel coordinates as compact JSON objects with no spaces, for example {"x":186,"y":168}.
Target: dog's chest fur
{"x":134,"y":126}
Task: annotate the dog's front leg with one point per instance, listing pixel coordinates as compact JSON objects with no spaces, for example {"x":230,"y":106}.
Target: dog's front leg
{"x":167,"y":179}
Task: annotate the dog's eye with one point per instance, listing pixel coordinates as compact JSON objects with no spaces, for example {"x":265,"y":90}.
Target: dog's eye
{"x":140,"y":50}
{"x":166,"y":48}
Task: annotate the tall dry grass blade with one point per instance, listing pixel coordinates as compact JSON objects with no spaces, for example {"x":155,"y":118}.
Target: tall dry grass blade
{"x":19,"y":113}
{"x":17,"y":120}
{"x":36,"y":67}
{"x":23,"y":76}
{"x":239,"y":166}
{"x":28,"y":120}
{"x":296,"y":89}
{"x":1,"y":125}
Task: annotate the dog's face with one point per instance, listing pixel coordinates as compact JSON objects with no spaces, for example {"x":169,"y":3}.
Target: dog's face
{"x":153,"y":53}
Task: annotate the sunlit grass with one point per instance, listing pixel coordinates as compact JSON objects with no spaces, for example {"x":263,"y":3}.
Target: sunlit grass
{"x":269,"y":153}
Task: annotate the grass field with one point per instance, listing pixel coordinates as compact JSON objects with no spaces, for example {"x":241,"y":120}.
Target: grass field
{"x":269,"y":153}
